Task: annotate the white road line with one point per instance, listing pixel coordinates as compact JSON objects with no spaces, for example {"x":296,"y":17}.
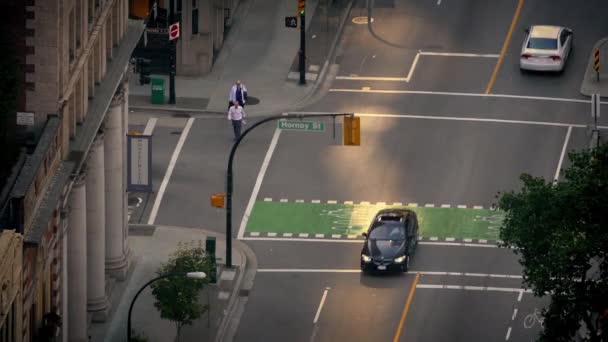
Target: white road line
{"x":254,"y":234}
{"x":471,"y":288}
{"x":445,"y":205}
{"x":429,"y":205}
{"x":450,"y":239}
{"x":283,"y":200}
{"x":514,"y":314}
{"x":482,"y":241}
{"x":349,"y":202}
{"x":351,"y":236}
{"x":461,"y":206}
{"x":411,"y":72}
{"x":267,"y":199}
{"x":303,"y":235}
{"x":336,"y":236}
{"x":287,"y":238}
{"x":456,"y":244}
{"x":398,"y":204}
{"x":412,"y":205}
{"x":459,"y":54}
{"x":477,"y":207}
{"x":319,"y":235}
{"x":521,"y":294}
{"x":438,"y":2}
{"x":561,"y":157}
{"x":299,"y":201}
{"x":315,"y":201}
{"x":356,"y":270}
{"x":272,"y":234}
{"x":169,"y":172}
{"x":314,"y":321}
{"x":258,"y":181}
{"x":508,"y":334}
{"x":446,"y":93}
{"x":372,"y":78}
{"x":381,"y":203}
{"x":332,"y":202}
{"x":433,"y":238}
{"x":365,"y":203}
{"x":467,"y":240}
{"x":453,"y":118}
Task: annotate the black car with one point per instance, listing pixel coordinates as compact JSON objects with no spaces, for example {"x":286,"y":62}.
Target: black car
{"x":390,"y":241}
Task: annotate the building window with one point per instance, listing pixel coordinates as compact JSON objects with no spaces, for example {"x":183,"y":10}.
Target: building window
{"x":195,"y":21}
{"x":178,"y":6}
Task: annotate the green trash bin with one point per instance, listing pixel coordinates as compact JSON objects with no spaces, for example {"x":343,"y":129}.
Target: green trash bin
{"x":158,"y":91}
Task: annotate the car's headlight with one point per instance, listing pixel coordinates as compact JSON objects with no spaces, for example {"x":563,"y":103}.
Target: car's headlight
{"x":399,"y":259}
{"x":366,"y":258}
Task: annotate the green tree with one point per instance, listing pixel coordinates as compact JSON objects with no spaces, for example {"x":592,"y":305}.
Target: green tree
{"x":177,"y":297}
{"x":560,"y":232}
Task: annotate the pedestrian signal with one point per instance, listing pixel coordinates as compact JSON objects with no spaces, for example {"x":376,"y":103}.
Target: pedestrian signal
{"x":352,"y":130}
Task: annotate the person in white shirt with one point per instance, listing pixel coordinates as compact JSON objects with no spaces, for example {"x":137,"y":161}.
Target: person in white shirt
{"x":238,"y":93}
{"x":237,"y":115}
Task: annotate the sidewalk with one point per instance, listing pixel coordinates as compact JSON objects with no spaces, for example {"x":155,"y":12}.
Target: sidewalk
{"x":259,"y":50}
{"x":590,"y":84}
{"x":151,"y":246}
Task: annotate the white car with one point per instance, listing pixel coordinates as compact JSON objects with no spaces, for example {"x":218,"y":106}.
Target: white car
{"x":546,"y":48}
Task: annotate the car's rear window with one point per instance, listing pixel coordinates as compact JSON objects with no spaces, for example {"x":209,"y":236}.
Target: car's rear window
{"x":542,"y":43}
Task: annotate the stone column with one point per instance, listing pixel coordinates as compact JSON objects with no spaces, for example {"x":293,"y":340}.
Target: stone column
{"x":125,"y":128}
{"x":96,"y":216}
{"x":116,"y":260}
{"x":77,"y":263}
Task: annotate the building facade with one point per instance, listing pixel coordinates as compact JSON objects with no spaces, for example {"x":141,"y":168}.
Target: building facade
{"x":11,"y":302}
{"x":203,"y":24}
{"x":68,"y":199}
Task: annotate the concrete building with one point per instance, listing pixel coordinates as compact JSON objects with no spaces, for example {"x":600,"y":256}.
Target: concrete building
{"x":11,"y":303}
{"x":68,"y":195}
{"x":203,"y":24}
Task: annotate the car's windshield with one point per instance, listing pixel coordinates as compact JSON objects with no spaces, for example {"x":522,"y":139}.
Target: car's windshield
{"x":542,"y":43}
{"x":388,"y":232}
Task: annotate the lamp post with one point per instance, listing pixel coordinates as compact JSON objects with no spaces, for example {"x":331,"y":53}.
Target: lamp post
{"x":191,"y":275}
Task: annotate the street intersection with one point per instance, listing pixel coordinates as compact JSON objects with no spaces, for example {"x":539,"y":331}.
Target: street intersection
{"x":448,"y":121}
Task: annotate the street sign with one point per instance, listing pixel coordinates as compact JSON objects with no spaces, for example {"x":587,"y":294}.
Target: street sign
{"x":174,"y":31}
{"x":291,"y":22}
{"x":595,"y":106}
{"x":25,"y":119}
{"x":301,"y":125}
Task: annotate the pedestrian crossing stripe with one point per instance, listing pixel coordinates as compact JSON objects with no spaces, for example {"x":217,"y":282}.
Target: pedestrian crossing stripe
{"x":395,"y":204}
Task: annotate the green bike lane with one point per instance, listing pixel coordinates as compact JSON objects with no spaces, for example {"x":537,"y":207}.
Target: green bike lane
{"x":349,"y":220}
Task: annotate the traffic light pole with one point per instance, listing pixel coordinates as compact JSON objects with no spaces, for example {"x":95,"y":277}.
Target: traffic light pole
{"x":302,"y":61}
{"x":172,"y":55}
{"x":229,"y":174}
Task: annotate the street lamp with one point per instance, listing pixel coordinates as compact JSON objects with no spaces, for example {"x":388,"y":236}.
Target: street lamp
{"x":191,"y":275}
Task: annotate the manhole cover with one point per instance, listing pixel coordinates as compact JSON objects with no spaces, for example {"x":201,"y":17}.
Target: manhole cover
{"x":361,"y":20}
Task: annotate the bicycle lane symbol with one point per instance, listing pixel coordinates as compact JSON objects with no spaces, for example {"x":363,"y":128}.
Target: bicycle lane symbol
{"x":532,"y":318}
{"x":494,"y":222}
{"x":348,"y":220}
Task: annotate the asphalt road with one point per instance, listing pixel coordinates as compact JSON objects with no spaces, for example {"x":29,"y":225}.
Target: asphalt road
{"x":431,"y":136}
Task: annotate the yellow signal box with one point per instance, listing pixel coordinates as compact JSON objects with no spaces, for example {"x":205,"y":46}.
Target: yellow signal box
{"x":217,"y":200}
{"x":301,"y":7}
{"x":352,"y":131}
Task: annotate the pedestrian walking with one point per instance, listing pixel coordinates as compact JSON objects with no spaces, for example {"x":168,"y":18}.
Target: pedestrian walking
{"x":238,"y":93}
{"x":237,"y":115}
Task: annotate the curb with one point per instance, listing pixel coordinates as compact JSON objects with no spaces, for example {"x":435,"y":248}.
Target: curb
{"x":279,"y":109}
{"x":589,"y":72}
{"x":240,"y":294}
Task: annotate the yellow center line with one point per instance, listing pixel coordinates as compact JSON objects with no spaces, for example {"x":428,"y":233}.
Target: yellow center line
{"x":505,"y":45}
{"x":406,"y":308}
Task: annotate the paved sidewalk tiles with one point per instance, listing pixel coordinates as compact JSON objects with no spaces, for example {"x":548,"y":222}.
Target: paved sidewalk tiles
{"x":348,"y":220}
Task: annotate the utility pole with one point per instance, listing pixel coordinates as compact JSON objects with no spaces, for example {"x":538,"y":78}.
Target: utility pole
{"x":302,"y":60}
{"x":172,"y":55}
{"x":354,"y":140}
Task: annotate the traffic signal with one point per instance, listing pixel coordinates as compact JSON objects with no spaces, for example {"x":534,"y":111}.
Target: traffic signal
{"x":352,"y":130}
{"x":142,"y":66}
{"x":217,"y":200}
{"x":301,"y":7}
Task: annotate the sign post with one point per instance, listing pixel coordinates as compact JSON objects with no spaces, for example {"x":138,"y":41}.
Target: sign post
{"x":595,"y":109}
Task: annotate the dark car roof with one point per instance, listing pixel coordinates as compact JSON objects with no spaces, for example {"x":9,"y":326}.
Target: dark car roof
{"x":392,"y":216}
